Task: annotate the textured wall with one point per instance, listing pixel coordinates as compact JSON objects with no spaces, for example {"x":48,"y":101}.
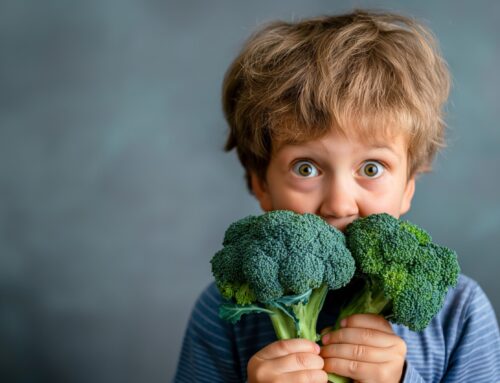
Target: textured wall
{"x":115,"y":192}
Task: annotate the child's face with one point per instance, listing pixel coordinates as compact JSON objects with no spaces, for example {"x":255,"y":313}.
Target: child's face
{"x":338,"y":178}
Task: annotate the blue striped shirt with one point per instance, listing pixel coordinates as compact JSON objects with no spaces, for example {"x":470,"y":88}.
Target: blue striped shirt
{"x":461,"y":344}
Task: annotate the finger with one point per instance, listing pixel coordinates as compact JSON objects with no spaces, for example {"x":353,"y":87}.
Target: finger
{"x":357,"y":352}
{"x":358,"y":371}
{"x":372,"y":321}
{"x":364,"y":336}
{"x":297,"y":362}
{"x":286,"y":347}
{"x":312,"y":376}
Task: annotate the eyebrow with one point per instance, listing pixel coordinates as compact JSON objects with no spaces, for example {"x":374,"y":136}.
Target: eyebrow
{"x":368,"y":146}
{"x":383,"y":147}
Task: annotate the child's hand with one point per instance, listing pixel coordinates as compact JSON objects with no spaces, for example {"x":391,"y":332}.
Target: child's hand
{"x":365,"y":349}
{"x":291,"y":360}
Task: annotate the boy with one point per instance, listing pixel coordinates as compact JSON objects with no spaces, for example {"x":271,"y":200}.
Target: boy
{"x":336,"y":116}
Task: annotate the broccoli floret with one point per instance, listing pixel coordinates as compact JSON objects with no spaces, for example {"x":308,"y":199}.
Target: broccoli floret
{"x":281,"y":263}
{"x":405,"y":276}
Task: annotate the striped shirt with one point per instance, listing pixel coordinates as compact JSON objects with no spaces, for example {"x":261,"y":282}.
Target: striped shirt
{"x":461,"y":344}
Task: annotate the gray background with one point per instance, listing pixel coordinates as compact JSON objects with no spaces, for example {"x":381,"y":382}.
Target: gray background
{"x":115,"y":191}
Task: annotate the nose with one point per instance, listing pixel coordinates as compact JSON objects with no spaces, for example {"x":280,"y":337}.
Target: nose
{"x":339,"y":206}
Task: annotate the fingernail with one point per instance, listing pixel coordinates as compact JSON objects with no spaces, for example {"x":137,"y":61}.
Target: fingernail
{"x":325,"y":339}
{"x":318,"y":349}
{"x":343,"y":322}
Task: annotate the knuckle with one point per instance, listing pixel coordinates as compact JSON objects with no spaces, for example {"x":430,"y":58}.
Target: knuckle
{"x":319,"y":362}
{"x":359,"y":351}
{"x":302,"y":360}
{"x":253,"y":364}
{"x":366,"y":334}
{"x":340,"y":336}
{"x":260,"y":373}
{"x":353,"y":366}
{"x":282,"y":346}
{"x":403,"y":349}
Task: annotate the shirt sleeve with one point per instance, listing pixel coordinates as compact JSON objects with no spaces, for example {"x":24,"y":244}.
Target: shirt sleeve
{"x":208,"y":351}
{"x":476,"y":354}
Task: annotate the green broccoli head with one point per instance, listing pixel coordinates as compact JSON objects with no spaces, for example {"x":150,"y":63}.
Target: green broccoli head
{"x":399,"y":259}
{"x":280,"y":253}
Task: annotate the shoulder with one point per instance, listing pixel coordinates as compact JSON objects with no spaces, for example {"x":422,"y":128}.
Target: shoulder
{"x":463,"y":304}
{"x":463,"y":293}
{"x":467,"y":299}
{"x":205,"y":321}
{"x":466,"y":305}
{"x":208,"y":301}
{"x":210,"y":298}
{"x":468,"y":320}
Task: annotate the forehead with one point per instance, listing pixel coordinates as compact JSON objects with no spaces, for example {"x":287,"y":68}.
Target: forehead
{"x":369,"y":136}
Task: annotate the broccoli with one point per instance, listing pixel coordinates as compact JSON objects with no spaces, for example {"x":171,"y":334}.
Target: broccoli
{"x":283,"y":264}
{"x":404,"y":275}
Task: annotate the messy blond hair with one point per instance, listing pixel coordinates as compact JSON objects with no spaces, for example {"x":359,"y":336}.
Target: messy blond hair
{"x":364,"y":73}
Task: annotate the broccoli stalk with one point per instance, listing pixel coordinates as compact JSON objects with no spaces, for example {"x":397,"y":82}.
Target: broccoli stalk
{"x":283,"y":325}
{"x":292,"y":316}
{"x":299,"y":319}
{"x":370,"y":299}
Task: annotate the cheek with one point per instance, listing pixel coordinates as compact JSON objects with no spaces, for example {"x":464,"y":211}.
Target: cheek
{"x":294,"y":200}
{"x":383,"y":201}
{"x":380,"y":207}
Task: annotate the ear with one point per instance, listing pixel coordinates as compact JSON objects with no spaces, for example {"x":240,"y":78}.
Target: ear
{"x":260,"y":190}
{"x":408,"y":195}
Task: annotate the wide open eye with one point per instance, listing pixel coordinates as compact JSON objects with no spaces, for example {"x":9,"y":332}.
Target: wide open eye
{"x":305,"y":169}
{"x":372,"y":169}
